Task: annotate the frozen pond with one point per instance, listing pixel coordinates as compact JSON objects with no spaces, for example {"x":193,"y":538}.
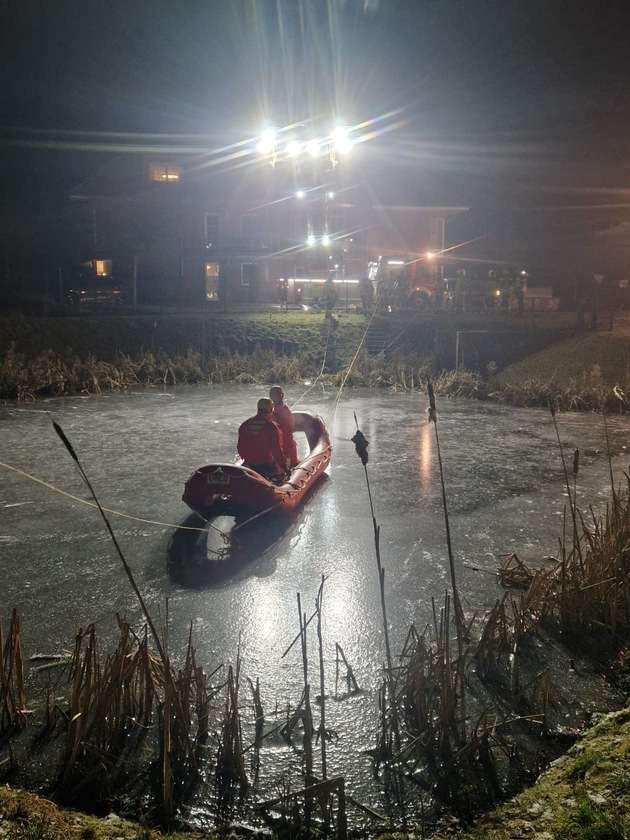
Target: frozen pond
{"x":505,"y":490}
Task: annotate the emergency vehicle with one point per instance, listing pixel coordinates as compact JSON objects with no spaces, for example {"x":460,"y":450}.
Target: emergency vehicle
{"x":305,"y":289}
{"x":405,"y":281}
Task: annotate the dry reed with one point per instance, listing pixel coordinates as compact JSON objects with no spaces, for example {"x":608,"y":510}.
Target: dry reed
{"x":12,"y":695}
{"x":230,"y":769}
{"x":124,"y":706}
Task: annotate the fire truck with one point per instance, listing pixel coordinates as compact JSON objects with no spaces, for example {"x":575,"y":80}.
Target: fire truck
{"x":402,"y":281}
{"x":304,"y":288}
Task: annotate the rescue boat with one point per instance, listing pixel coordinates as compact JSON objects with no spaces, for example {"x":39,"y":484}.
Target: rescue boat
{"x":231,"y":488}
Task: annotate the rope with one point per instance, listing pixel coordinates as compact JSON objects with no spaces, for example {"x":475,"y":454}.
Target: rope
{"x":107,"y":510}
{"x":350,"y":366}
{"x":347,"y":373}
{"x":256,"y":515}
{"x":321,"y":371}
{"x":402,"y":331}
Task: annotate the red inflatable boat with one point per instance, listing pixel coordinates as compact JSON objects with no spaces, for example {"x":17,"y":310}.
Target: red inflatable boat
{"x":229,"y":489}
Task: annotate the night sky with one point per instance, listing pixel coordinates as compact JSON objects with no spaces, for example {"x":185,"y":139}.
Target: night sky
{"x":507,"y":104}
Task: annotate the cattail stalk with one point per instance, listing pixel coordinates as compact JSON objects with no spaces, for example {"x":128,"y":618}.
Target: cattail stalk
{"x":361,"y":445}
{"x":459,"y":614}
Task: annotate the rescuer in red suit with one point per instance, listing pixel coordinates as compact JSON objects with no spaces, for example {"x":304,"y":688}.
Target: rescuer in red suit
{"x":260,"y":443}
{"x":283,"y":416}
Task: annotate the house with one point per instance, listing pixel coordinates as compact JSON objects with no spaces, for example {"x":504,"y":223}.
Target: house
{"x":185,"y":230}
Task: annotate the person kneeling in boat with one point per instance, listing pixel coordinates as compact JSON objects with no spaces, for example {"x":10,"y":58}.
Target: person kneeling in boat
{"x":260,"y":444}
{"x":283,"y":416}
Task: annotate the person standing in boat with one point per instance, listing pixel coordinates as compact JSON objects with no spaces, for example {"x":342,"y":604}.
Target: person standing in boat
{"x":260,"y":443}
{"x":283,"y":416}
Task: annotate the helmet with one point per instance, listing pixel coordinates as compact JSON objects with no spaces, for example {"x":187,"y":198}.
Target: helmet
{"x":265,"y":405}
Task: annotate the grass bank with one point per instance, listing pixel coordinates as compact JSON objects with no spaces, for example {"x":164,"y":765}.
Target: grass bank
{"x":108,"y":336}
{"x":590,"y":371}
{"x":105,"y":352}
{"x":584,"y":795}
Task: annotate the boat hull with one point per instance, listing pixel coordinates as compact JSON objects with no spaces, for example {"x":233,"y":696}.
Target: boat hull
{"x":231,"y":488}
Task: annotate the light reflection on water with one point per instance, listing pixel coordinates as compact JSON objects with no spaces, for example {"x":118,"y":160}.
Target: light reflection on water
{"x":505,"y":493}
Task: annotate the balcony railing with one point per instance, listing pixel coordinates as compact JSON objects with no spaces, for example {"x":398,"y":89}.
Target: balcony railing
{"x":239,"y":245}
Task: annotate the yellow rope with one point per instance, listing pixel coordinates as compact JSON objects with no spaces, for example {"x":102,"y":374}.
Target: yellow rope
{"x":347,"y":373}
{"x":321,"y":370}
{"x":351,"y":365}
{"x":107,"y":510}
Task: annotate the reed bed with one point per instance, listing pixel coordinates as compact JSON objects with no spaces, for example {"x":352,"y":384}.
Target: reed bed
{"x":588,"y":395}
{"x":428,"y":694}
{"x":12,"y":695}
{"x":321,"y":793}
{"x":51,"y":374}
{"x":322,"y":800}
{"x":589,"y":585}
{"x":107,"y":699}
{"x":230,"y":765}
{"x":123,"y":707}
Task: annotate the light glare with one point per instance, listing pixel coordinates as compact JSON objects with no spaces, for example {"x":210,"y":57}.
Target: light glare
{"x":312,"y":147}
{"x":267,"y":142}
{"x":293,"y":148}
{"x":341,"y":141}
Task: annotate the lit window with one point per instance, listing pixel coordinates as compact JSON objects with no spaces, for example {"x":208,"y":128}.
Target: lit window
{"x":164,"y":172}
{"x":212,"y":281}
{"x":102,"y":268}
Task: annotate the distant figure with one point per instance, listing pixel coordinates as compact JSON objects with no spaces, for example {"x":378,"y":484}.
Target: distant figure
{"x":366,"y":291}
{"x":400,"y":291}
{"x":384,"y":289}
{"x":328,"y":296}
{"x":260,"y":443}
{"x":283,"y":416}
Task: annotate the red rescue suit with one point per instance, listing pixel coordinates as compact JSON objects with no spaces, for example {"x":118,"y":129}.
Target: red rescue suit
{"x":283,"y":416}
{"x":260,"y":444}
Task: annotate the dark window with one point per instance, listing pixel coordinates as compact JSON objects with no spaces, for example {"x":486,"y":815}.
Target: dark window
{"x":213,"y":229}
{"x":248,"y":228}
{"x":247,"y":273}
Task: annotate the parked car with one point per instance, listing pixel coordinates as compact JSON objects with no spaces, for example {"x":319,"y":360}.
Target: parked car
{"x":102,"y":291}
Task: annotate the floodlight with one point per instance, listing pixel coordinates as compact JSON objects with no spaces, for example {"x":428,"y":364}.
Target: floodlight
{"x":340,"y":141}
{"x":267,"y":142}
{"x":293,"y":148}
{"x":313,"y":148}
